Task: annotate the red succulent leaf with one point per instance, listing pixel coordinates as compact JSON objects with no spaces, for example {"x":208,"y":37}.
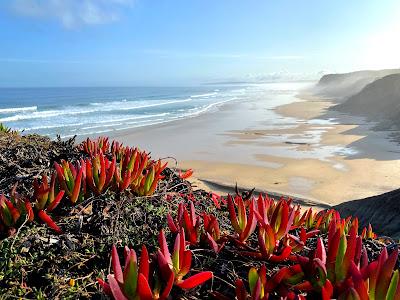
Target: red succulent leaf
{"x":164,"y":247}
{"x":56,"y":201}
{"x":47,"y":219}
{"x":283,"y":256}
{"x":163,"y":264}
{"x":77,"y":186}
{"x":250,"y":223}
{"x":116,"y":265}
{"x":195,"y":280}
{"x":185,"y":175}
{"x":171,"y":224}
{"x":320,"y":251}
{"x":185,"y":263}
{"x":144,"y":263}
{"x":266,"y":240}
{"x":213,"y":244}
{"x":102,"y":178}
{"x":240,"y":289}
{"x":232,"y":214}
{"x":385,"y":273}
{"x":168,"y":287}
{"x":327,"y":290}
{"x":15,"y":214}
{"x":144,"y":290}
{"x":105,"y":286}
{"x":215,"y":198}
{"x":305,"y":286}
{"x":350,"y":250}
{"x":115,"y":288}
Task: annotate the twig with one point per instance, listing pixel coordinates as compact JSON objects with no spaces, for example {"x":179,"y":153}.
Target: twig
{"x":82,"y":262}
{"x":18,"y":231}
{"x":228,"y":283}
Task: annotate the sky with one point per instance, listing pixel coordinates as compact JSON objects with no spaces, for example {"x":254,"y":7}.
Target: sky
{"x":182,"y":42}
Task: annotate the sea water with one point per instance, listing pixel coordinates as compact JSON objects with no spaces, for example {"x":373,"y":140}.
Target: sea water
{"x":84,"y":111}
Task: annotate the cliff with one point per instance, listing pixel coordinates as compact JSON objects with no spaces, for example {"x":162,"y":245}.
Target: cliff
{"x":381,"y":211}
{"x":341,"y":86}
{"x":378,"y":101}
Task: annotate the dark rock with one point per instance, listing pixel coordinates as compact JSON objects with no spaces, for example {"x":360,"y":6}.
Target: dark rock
{"x":381,"y":211}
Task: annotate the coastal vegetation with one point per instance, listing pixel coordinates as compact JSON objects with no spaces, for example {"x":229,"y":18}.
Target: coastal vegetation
{"x":70,"y":212}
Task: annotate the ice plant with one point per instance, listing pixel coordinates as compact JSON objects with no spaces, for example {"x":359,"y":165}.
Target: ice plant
{"x":117,"y":150}
{"x":7,"y":130}
{"x":99,"y":172}
{"x":310,"y":274}
{"x":187,"y":220}
{"x":159,"y":290}
{"x":298,"y":243}
{"x":133,"y":282}
{"x":45,"y":195}
{"x":383,"y":277}
{"x":258,"y":282}
{"x":368,"y":233}
{"x":281,"y":217}
{"x":342,"y":250}
{"x":131,"y":166}
{"x":299,"y":218}
{"x":147,"y":184}
{"x":14,"y":212}
{"x":274,"y":224}
{"x":72,"y":179}
{"x":4,"y":128}
{"x":179,"y":263}
{"x":94,"y":147}
{"x":244,"y":226}
{"x":270,"y":247}
{"x":188,"y":173}
{"x":212,"y":233}
{"x":261,"y":286}
{"x":311,"y":219}
{"x":48,"y":220}
{"x":216,"y":200}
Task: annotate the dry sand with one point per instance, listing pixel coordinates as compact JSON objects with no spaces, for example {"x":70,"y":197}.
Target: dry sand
{"x":313,"y":157}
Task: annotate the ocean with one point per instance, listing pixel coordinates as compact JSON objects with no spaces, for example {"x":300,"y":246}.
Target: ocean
{"x":96,"y":110}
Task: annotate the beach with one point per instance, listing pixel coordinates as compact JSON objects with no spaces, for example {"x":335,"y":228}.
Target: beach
{"x":299,"y":149}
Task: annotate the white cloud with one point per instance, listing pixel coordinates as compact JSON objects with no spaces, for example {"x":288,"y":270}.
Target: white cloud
{"x":72,"y":13}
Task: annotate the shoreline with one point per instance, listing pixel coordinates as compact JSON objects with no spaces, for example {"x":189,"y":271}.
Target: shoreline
{"x":313,"y":157}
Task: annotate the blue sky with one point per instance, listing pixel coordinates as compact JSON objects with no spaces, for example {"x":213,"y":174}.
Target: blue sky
{"x":138,"y":42}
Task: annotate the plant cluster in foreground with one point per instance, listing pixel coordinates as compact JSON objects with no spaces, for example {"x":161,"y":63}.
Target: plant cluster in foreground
{"x":208,"y":247}
{"x":128,"y":168}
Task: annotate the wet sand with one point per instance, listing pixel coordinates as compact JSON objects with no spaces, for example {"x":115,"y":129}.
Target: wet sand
{"x":298,"y":149}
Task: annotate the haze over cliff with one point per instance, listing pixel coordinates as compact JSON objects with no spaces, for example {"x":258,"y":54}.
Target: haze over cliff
{"x":339,"y":87}
{"x":378,"y":101}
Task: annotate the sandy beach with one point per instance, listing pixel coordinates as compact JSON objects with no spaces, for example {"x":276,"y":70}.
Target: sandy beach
{"x":299,"y":148}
